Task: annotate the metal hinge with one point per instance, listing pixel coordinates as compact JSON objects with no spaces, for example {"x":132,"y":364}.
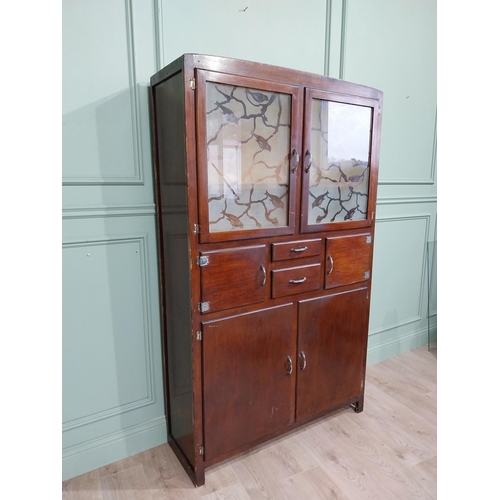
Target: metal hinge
{"x":367,"y":275}
{"x":202,"y":450}
{"x":192,"y":83}
{"x":368,"y":239}
{"x":203,"y":306}
{"x":202,"y":260}
{"x":196,"y":228}
{"x":198,"y":335}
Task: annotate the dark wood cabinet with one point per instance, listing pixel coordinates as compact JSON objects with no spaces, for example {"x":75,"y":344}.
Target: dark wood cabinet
{"x":266,"y":182}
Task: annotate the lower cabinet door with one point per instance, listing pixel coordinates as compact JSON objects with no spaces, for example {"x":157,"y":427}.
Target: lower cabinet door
{"x":333,"y":333}
{"x":248,"y":377}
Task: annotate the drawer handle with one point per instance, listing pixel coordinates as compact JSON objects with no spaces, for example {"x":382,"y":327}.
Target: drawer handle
{"x":299,"y":249}
{"x":289,"y":365}
{"x":295,"y":160}
{"x":309,"y":163}
{"x":296,"y":282}
{"x":263,"y":269}
{"x":303,"y":362}
{"x":330,"y":260}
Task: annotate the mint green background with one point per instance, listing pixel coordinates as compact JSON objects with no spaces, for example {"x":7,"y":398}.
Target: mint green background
{"x":112,"y":373}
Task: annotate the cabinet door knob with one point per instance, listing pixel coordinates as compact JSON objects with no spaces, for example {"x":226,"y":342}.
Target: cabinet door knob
{"x":295,"y":160}
{"x":330,"y":261}
{"x":289,"y":365}
{"x":303,"y":362}
{"x":309,"y":161}
{"x":264,"y":273}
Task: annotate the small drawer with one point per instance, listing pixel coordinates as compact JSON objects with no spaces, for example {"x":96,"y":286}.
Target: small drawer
{"x":296,"y":249}
{"x":293,"y":280}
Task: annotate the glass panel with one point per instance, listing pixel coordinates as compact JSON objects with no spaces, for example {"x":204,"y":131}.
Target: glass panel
{"x":339,"y":175}
{"x":248,"y":145}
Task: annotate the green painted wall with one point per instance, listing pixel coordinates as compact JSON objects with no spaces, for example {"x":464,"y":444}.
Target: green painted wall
{"x":112,"y":369}
{"x":112,"y":388}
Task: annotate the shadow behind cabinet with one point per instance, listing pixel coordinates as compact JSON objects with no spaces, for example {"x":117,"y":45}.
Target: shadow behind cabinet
{"x":266,"y":184}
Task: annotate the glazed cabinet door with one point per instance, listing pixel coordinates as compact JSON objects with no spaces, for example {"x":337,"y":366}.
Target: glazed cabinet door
{"x":248,"y":377}
{"x":333,"y":333}
{"x":248,"y":142}
{"x":339,"y":174}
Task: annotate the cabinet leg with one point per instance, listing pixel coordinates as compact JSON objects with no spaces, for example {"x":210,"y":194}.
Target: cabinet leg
{"x":199,"y":479}
{"x":358,"y":405}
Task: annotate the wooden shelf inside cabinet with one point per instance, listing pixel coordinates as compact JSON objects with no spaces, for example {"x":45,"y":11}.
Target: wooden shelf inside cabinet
{"x":266,"y":182}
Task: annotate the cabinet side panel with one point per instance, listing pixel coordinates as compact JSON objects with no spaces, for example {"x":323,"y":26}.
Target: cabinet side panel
{"x":173,"y":227}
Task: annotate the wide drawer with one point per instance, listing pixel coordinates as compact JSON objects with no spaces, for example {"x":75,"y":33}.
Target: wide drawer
{"x":296,"y":249}
{"x":293,"y":280}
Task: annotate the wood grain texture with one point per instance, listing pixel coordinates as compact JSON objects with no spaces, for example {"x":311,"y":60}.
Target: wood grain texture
{"x":86,"y":486}
{"x":350,"y":259}
{"x":130,"y":484}
{"x":242,"y":357}
{"x":332,"y":336}
{"x":294,"y":280}
{"x":234,"y":277}
{"x":296,"y":249}
{"x":387,"y":451}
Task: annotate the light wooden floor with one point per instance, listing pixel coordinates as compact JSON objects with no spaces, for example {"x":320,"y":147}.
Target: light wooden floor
{"x":386,"y":452}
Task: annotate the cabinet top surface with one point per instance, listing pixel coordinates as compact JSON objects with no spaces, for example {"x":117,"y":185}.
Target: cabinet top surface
{"x":188,"y":62}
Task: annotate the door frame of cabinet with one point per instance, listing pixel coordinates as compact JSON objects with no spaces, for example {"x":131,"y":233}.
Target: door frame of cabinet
{"x":204,"y":76}
{"x":373,"y":160}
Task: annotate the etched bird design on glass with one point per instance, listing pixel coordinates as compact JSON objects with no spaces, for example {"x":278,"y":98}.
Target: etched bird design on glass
{"x":248,"y":157}
{"x":275,"y":200}
{"x":340,"y":146}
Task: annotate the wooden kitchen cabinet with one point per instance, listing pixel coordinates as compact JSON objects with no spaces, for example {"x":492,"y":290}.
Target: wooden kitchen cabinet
{"x":266,"y":183}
